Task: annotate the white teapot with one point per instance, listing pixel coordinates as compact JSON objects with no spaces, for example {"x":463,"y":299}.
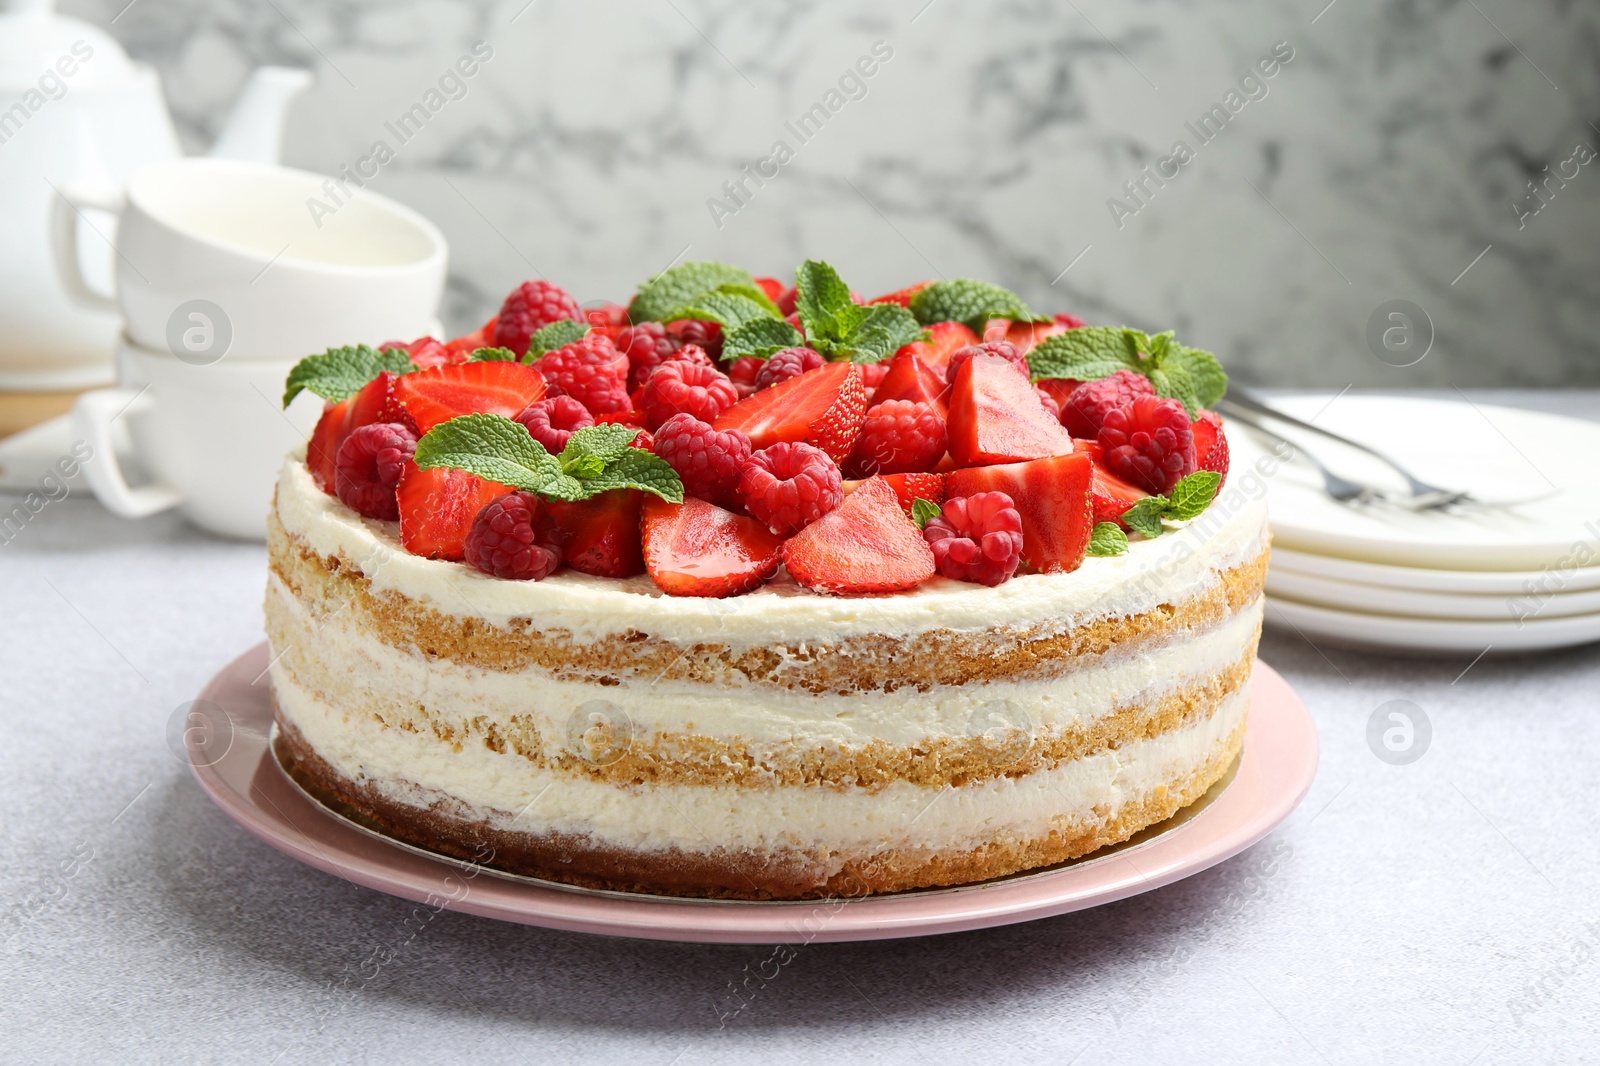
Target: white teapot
{"x":76,"y":112}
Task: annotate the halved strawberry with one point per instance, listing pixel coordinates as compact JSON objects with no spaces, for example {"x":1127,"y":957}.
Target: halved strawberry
{"x":910,"y":378}
{"x":996,"y":417}
{"x":601,"y":534}
{"x":463,"y":346}
{"x":823,"y":407}
{"x":943,"y":338}
{"x":1051,"y":494}
{"x":1109,"y":495}
{"x":695,"y":548}
{"x":438,"y":395}
{"x":1022,"y":334}
{"x":437,"y":507}
{"x":374,"y":402}
{"x":1211,"y":445}
{"x":866,"y":544}
{"x":901,"y":296}
{"x":908,"y":487}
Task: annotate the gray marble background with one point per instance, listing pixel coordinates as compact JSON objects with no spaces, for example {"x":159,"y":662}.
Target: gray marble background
{"x":1384,"y":161}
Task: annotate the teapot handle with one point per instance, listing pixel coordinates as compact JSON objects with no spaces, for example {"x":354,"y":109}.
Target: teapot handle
{"x":66,"y":215}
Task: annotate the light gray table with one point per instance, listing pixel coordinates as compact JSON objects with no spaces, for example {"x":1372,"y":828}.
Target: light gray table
{"x":1442,"y":911}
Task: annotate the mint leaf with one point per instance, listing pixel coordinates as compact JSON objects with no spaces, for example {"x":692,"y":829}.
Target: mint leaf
{"x":1193,"y":494}
{"x":883,"y":329}
{"x":492,"y":355}
{"x":607,"y":442}
{"x":1205,"y":372}
{"x":638,"y":469}
{"x":496,"y":448}
{"x":1144,"y":517}
{"x":1108,"y":539}
{"x":760,"y":337}
{"x":339,"y":373}
{"x":1172,"y":380}
{"x":823,"y":302}
{"x":1086,"y":354}
{"x":729,"y":309}
{"x":679,"y":286}
{"x":557,"y":334}
{"x":968,"y":301}
{"x":924,"y":510}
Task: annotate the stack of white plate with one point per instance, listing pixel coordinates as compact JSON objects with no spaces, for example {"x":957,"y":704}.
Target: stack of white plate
{"x":1467,"y":579}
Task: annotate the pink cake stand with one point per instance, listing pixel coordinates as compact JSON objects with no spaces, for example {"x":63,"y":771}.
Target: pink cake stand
{"x":233,"y":761}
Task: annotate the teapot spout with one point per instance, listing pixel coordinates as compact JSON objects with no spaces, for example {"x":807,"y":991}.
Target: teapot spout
{"x":254,"y":129}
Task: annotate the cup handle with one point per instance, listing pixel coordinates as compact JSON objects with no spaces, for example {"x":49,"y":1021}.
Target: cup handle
{"x":92,"y":418}
{"x":66,"y":212}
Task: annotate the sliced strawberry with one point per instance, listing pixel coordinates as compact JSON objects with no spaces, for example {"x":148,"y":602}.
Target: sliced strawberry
{"x":943,"y":338}
{"x":772,"y":287}
{"x":1022,"y":334}
{"x":1109,"y":495}
{"x":323,"y":446}
{"x":601,"y":534}
{"x":1211,"y":444}
{"x":910,"y":378}
{"x":695,"y":548}
{"x":1051,"y":494}
{"x":823,"y":407}
{"x":437,"y":507}
{"x":908,"y":487}
{"x":996,"y":417}
{"x":866,"y":544}
{"x":498,"y":388}
{"x":901,"y":296}
{"x":1058,"y":388}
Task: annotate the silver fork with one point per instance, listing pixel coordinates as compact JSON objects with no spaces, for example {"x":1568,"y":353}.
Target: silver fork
{"x":1342,"y":489}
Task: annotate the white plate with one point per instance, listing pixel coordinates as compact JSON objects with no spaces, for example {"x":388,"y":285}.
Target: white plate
{"x":1416,"y":603}
{"x":1494,"y":452}
{"x":1393,"y":633}
{"x":1473,"y":582}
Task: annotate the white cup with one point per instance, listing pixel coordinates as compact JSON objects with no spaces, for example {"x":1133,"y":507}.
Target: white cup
{"x":221,"y":257}
{"x":209,"y":438}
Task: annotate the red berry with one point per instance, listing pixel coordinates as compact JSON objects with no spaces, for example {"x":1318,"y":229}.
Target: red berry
{"x":647,"y":346}
{"x":685,"y":388}
{"x":824,"y":408}
{"x":437,"y":506}
{"x":1049,"y":402}
{"x":552,"y":422}
{"x":1086,"y":406}
{"x":1210,"y":444}
{"x":426,"y":353}
{"x":789,"y":485}
{"x":513,"y":537}
{"x":530,"y":307}
{"x":1004,"y":349}
{"x":368,"y":468}
{"x":977,"y":538}
{"x":429,"y":397}
{"x":786,"y":364}
{"x":1051,"y":495}
{"x":707,"y":335}
{"x":898,"y":437}
{"x":996,"y":416}
{"x":695,"y":548}
{"x":613,"y":318}
{"x":1148,"y":443}
{"x":589,"y":370}
{"x":743,"y":374}
{"x":1062,"y":318}
{"x":708,"y":461}
{"x":867,"y":544}
{"x":872,"y":375}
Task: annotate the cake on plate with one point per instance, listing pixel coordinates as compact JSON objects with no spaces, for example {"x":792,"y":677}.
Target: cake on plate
{"x":759,"y":590}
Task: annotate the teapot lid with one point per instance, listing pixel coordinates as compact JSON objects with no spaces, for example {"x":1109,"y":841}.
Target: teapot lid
{"x":36,"y":43}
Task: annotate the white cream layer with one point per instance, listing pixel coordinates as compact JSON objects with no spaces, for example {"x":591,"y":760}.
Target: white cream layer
{"x":512,"y":794}
{"x":343,"y":658}
{"x":1169,"y":569}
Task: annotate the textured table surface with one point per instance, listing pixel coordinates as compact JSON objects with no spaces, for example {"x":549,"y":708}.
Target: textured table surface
{"x":1441,"y":911}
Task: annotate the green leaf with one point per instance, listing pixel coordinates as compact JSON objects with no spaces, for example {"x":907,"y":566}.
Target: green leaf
{"x":557,"y":334}
{"x":607,"y":442}
{"x":679,"y":286}
{"x":638,"y":469}
{"x":823,"y":302}
{"x":339,"y":373}
{"x":1108,"y":539}
{"x":1086,"y":354}
{"x":882,"y":330}
{"x":1193,"y":494}
{"x":492,"y":355}
{"x":760,"y":337}
{"x":495,"y":447}
{"x":1144,"y":517}
{"x":968,"y":301}
{"x":1205,"y":372}
{"x":729,"y":310}
{"x":1172,"y":380}
{"x":924,"y":510}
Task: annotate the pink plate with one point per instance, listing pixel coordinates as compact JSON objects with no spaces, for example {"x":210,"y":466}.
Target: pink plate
{"x":232,"y":759}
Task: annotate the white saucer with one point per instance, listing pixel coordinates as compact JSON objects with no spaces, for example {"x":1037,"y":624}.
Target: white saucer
{"x":1394,"y":633}
{"x":1473,"y":582}
{"x":1494,"y":452}
{"x":1375,"y":599}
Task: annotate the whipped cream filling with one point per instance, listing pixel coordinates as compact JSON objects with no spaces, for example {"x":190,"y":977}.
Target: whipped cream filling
{"x":1172,"y":568}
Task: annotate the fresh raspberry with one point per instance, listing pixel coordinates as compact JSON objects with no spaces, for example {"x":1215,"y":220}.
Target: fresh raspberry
{"x":613,"y":318}
{"x":707,"y":335}
{"x":977,"y":538}
{"x":589,"y":370}
{"x":367,"y":468}
{"x":513,"y":537}
{"x":1004,"y":349}
{"x":552,"y":422}
{"x":743,"y":374}
{"x":1148,"y":443}
{"x":789,"y":486}
{"x":532,"y":306}
{"x":707,"y":461}
{"x":898,"y":437}
{"x":1049,"y":402}
{"x":685,"y":388}
{"x":1086,"y":406}
{"x":647,"y":346}
{"x":786,"y":364}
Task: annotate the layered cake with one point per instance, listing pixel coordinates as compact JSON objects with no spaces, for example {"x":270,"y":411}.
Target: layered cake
{"x":762,"y":591}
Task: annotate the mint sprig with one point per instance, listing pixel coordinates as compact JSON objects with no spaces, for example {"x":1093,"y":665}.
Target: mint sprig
{"x":339,"y":373}
{"x":1189,"y":375}
{"x":1186,"y":500}
{"x":557,"y":334}
{"x":492,"y":355}
{"x":730,"y":307}
{"x":1107,"y":539}
{"x":760,"y":337}
{"x":838,"y":327}
{"x":924,"y":511}
{"x":969,"y":301}
{"x":595,"y":460}
{"x":681,"y":285}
